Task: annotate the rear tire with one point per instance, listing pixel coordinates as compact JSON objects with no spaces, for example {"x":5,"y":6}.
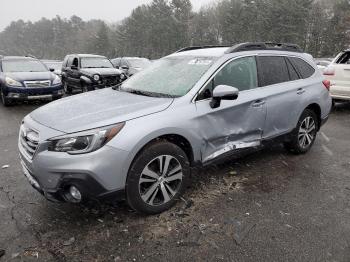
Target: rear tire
{"x":157,"y":178}
{"x":304,"y":135}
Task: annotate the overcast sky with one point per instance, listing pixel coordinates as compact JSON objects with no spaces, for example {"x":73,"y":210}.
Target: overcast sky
{"x":108,"y":10}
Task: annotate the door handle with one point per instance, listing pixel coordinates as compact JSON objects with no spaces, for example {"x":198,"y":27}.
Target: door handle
{"x":301,"y":91}
{"x":259,"y":103}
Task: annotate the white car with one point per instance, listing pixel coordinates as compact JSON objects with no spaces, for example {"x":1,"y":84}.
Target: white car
{"x":338,"y":72}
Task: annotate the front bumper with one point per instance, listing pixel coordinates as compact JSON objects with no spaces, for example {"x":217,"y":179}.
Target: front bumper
{"x":23,"y":94}
{"x":97,"y":175}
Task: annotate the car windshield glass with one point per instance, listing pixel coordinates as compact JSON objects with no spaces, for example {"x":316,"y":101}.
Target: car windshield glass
{"x":56,"y":66}
{"x":169,"y":77}
{"x":23,"y":66}
{"x":95,"y":62}
{"x":141,"y":63}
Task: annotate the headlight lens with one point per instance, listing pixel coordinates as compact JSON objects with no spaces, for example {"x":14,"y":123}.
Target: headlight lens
{"x":57,"y":81}
{"x":12,"y":82}
{"x":96,"y":77}
{"x":85,"y":142}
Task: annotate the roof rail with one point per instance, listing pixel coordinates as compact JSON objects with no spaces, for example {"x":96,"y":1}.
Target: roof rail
{"x":250,"y":46}
{"x":190,"y":48}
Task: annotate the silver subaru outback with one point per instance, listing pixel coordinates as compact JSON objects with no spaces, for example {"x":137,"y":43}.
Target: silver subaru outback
{"x":192,"y":108}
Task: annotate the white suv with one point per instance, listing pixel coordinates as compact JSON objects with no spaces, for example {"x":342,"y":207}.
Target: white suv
{"x":338,"y":72}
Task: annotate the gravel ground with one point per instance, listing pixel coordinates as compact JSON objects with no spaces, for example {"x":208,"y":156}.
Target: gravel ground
{"x":268,"y":206}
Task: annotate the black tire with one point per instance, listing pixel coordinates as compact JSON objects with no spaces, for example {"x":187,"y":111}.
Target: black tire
{"x":5,"y":100}
{"x":67,"y":89}
{"x":295,"y":141}
{"x":85,"y":88}
{"x":137,"y":191}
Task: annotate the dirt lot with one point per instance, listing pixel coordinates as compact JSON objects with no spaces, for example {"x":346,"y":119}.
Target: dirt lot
{"x":268,"y":206}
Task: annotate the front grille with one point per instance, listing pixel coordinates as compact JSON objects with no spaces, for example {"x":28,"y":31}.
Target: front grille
{"x":37,"y":84}
{"x":29,"y":141}
{"x":110,"y":80}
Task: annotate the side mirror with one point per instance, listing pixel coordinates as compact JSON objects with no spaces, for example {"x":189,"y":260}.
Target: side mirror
{"x":52,"y":69}
{"x":223,"y":92}
{"x":125,"y":67}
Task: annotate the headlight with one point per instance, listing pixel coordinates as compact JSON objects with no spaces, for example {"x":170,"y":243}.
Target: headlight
{"x":85,"y":142}
{"x":12,"y":82}
{"x":57,"y":81}
{"x":96,"y":77}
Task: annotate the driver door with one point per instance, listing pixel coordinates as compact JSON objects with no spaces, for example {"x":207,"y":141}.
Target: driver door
{"x":235,"y":124}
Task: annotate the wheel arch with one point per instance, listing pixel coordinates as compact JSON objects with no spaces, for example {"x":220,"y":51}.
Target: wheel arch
{"x":317,"y":110}
{"x":179,"y":140}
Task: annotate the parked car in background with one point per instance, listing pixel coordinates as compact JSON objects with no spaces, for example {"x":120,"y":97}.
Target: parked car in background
{"x":322,"y":63}
{"x":27,"y":78}
{"x":54,"y":66}
{"x":131,"y":65}
{"x":89,"y":72}
{"x":338,"y":72}
{"x":192,"y":108}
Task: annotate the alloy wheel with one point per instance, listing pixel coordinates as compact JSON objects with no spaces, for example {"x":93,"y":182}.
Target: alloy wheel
{"x":160,"y":180}
{"x":307,"y":132}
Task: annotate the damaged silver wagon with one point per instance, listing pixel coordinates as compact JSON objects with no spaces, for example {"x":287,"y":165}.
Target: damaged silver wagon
{"x":190,"y":108}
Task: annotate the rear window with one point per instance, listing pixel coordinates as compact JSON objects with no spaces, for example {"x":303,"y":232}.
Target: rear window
{"x":344,"y":58}
{"x":305,"y":70}
{"x":272,"y":70}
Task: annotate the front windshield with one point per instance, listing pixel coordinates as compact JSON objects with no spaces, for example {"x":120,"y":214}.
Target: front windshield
{"x":95,"y":62}
{"x":22,"y":65}
{"x":53,"y":65}
{"x":170,"y":77}
{"x":139,"y":63}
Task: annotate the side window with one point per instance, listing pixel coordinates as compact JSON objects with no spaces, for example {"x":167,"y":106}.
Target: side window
{"x":293,"y":75}
{"x":344,"y":58}
{"x":305,"y":70}
{"x":75,"y":62}
{"x":272,"y":70}
{"x":240,"y":73}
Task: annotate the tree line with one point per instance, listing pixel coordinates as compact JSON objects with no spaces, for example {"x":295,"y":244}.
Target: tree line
{"x":320,"y":27}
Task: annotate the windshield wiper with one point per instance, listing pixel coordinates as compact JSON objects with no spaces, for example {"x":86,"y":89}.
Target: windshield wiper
{"x":138,"y":92}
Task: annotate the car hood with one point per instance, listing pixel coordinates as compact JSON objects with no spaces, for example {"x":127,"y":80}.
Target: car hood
{"x":97,"y":109}
{"x":31,"y":76}
{"x":100,"y":71}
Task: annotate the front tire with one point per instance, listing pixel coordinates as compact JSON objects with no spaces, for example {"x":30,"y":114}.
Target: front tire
{"x":304,"y":136}
{"x":157,"y":178}
{"x":5,"y":101}
{"x":67,"y":89}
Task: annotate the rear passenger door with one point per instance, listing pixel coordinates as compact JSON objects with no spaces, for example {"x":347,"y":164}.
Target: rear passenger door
{"x":283,"y":90}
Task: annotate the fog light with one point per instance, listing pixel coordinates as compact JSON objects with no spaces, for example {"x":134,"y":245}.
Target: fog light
{"x":13,"y":95}
{"x":75,"y":193}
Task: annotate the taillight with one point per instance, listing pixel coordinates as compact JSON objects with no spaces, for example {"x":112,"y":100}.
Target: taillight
{"x":327,"y":84}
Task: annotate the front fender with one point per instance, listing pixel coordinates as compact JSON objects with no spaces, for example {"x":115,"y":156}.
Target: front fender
{"x":86,"y":80}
